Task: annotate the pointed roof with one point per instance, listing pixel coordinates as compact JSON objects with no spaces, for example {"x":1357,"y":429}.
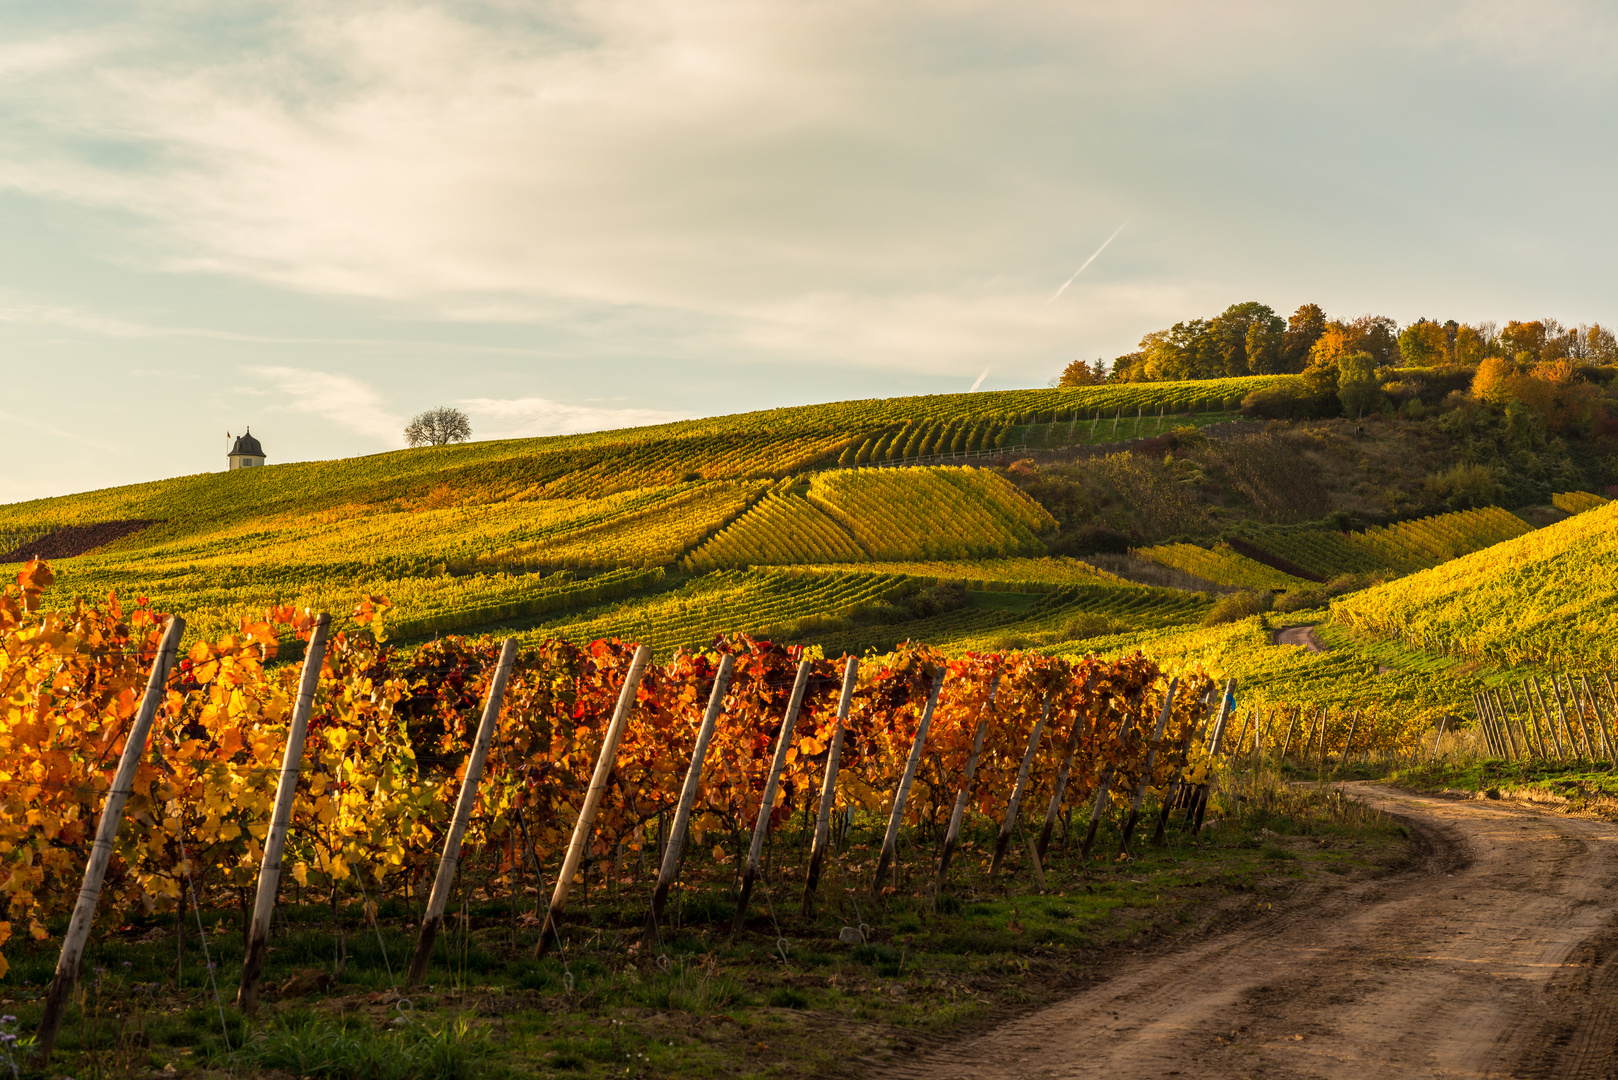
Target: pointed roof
{"x":246,"y":444}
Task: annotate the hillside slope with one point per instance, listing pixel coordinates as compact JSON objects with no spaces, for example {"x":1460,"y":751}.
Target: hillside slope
{"x":1547,"y":598}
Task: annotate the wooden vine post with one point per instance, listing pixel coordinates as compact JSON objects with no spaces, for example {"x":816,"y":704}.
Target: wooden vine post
{"x":1519,"y":748}
{"x":1348,"y":744}
{"x":438,"y":899}
{"x":890,"y":840}
{"x":1227,"y":701}
{"x":674,"y":849}
{"x":1584,"y":725}
{"x":1236,"y":747}
{"x":828,"y":788}
{"x":1059,"y":790}
{"x":761,"y":830}
{"x":1291,"y":727}
{"x":1443,"y":721}
{"x":592,"y":800}
{"x":1325,"y":725}
{"x":1561,"y":713}
{"x":1601,"y":720}
{"x":1004,"y":839}
{"x":95,"y":870}
{"x":957,"y":817}
{"x":1483,"y":723}
{"x":1146,"y":772}
{"x":1103,"y":790}
{"x":275,"y":841}
{"x":1182,"y":756}
{"x":1545,"y":710}
{"x":1527,"y":724}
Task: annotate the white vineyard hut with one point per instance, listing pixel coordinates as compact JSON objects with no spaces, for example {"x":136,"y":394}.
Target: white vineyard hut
{"x":246,"y":451}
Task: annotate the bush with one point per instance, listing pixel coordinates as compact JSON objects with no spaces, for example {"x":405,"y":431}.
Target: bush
{"x":937,"y":599}
{"x":1235,"y":606}
{"x":1302,"y":599}
{"x":1464,"y":486}
{"x":1086,"y":626}
{"x":1290,"y":399}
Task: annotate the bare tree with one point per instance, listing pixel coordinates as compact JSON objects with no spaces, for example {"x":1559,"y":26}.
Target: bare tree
{"x":439,"y":426}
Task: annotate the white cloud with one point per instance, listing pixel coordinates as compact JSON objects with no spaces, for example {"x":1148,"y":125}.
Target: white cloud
{"x":895,"y":186}
{"x":338,"y":399}
{"x":496,"y":418}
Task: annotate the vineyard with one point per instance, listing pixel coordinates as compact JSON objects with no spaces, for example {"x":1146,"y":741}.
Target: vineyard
{"x":1403,"y":547}
{"x":498,"y":559}
{"x":783,"y":528}
{"x":947,"y":513}
{"x":1221,"y":565}
{"x":587,"y":759}
{"x":998,"y":575}
{"x":389,"y":736}
{"x":1577,"y":502}
{"x":1548,"y":598}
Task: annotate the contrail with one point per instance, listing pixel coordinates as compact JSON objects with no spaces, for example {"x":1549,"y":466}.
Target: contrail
{"x":979,"y":383}
{"x":1087,"y":262}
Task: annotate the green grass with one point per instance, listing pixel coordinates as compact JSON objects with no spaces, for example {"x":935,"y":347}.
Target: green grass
{"x":1577,"y":786}
{"x":700,"y":1002}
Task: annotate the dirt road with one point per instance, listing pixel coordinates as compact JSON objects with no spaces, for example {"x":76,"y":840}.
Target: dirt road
{"x":1300,"y":635}
{"x":1494,"y":957}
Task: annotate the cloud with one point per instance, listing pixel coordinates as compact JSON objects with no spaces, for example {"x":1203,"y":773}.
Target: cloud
{"x":497,"y":418}
{"x":753,"y":174}
{"x":338,"y":399}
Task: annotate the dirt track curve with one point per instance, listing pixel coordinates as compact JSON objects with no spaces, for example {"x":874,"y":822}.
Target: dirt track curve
{"x":1494,"y":957}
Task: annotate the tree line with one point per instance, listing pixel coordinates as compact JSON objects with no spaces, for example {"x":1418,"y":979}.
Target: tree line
{"x":1251,"y":339}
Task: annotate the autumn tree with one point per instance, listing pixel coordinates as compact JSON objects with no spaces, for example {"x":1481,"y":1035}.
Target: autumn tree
{"x":1525,"y":341}
{"x":1474,"y":344}
{"x":1079,"y":373}
{"x":1374,"y":335}
{"x":1303,"y":330}
{"x":1425,"y":343}
{"x":438,"y":427}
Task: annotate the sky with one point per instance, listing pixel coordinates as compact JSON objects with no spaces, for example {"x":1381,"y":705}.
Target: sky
{"x":317,"y":219}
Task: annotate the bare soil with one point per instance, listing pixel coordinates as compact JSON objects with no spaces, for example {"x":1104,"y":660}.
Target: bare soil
{"x":1300,"y":635}
{"x":71,"y":540}
{"x":1495,"y":955}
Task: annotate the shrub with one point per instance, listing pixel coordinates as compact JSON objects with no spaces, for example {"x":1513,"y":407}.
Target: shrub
{"x":1464,"y":486}
{"x":1239,"y":605}
{"x":1302,"y":599}
{"x":1290,"y":399}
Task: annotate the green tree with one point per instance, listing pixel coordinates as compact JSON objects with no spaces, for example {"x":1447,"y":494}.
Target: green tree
{"x":1423,"y":344}
{"x":1175,"y":353}
{"x":1357,"y":386}
{"x":1264,"y":340}
{"x":1224,"y":346}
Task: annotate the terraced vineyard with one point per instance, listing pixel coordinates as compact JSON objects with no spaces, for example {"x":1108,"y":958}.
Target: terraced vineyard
{"x":1403,"y":547}
{"x":947,"y":513}
{"x":783,"y":528}
{"x":1220,"y":565}
{"x":1014,"y":574}
{"x":724,"y":602}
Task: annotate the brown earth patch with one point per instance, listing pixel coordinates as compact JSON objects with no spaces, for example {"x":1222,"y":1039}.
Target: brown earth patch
{"x":71,"y":540}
